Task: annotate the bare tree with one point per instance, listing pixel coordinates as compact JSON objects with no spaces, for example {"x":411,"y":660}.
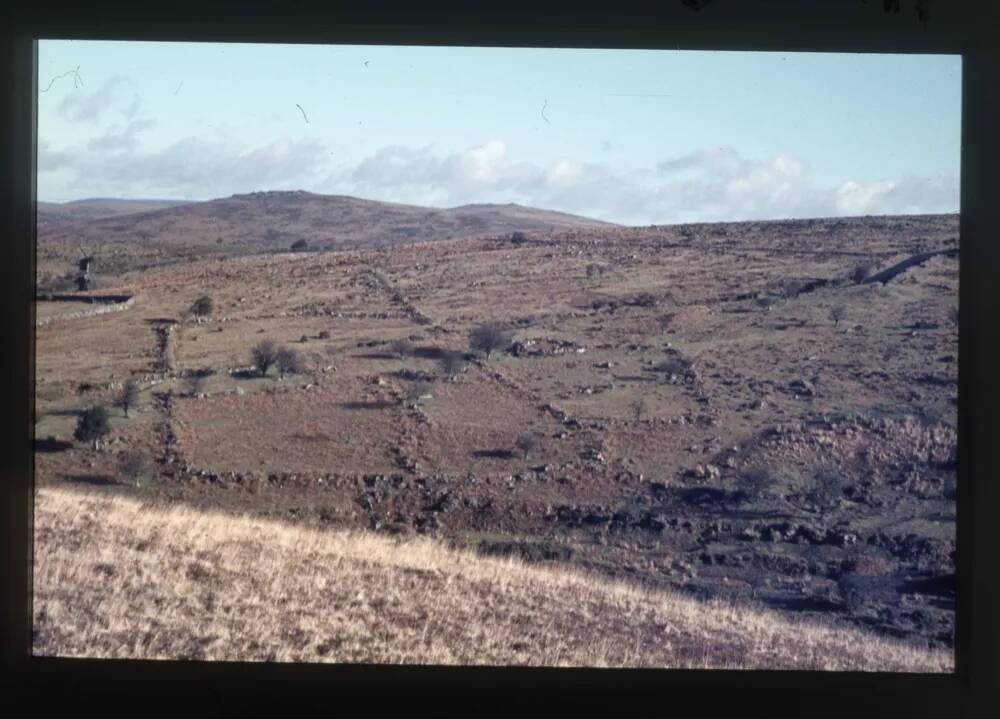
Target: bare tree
{"x":135,"y":466}
{"x":489,"y":338}
{"x":527,"y":444}
{"x":264,"y":354}
{"x":128,"y":398}
{"x":289,"y":361}
{"x":639,"y":408}
{"x":417,"y":390}
{"x":452,"y":363}
{"x":837,"y":314}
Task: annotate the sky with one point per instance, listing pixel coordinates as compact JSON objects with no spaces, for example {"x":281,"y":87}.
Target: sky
{"x":630,"y":136}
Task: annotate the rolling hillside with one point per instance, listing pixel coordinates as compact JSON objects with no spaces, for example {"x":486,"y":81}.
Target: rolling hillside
{"x":62,"y":213}
{"x":275,"y":220}
{"x":118,"y":578}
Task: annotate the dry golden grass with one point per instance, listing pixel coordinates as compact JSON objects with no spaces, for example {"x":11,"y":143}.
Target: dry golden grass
{"x":115,"y":578}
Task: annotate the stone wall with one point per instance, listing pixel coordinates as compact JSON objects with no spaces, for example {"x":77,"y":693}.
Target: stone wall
{"x":97,"y":308}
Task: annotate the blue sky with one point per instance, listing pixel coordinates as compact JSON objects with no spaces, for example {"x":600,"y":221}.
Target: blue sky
{"x":638,"y":137}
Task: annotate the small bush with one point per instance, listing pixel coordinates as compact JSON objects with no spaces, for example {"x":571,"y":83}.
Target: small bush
{"x":953,"y":315}
{"x":418,"y":389}
{"x":289,"y":361}
{"x":452,"y":363}
{"x":203,"y":306}
{"x":790,"y":289}
{"x":639,"y":409}
{"x":674,"y":366}
{"x":526,"y":444}
{"x":264,"y":354}
{"x":128,"y":398}
{"x":135,"y":466}
{"x":300,"y":245}
{"x":837,"y":314}
{"x":594,"y":271}
{"x":760,"y":482}
{"x":827,"y":489}
{"x":92,"y":426}
{"x":489,"y":338}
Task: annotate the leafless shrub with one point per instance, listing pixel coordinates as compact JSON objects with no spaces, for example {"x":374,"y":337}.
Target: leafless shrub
{"x":837,"y":314}
{"x":760,"y":481}
{"x":128,"y":398}
{"x":135,"y":466}
{"x":675,"y":367}
{"x":489,"y":338}
{"x":526,"y":443}
{"x":452,"y":363}
{"x":417,"y":390}
{"x":827,"y":489}
{"x":289,"y":361}
{"x":639,"y":408}
{"x":264,"y":354}
{"x":594,"y":271}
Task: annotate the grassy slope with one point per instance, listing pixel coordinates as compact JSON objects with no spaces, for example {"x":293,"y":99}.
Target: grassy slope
{"x":114,"y":578}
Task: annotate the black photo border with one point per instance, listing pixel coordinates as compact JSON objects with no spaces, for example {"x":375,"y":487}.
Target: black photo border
{"x":48,"y":686}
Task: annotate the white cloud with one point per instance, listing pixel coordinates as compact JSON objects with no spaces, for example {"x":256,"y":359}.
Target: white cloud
{"x":706,"y":185}
{"x":907,"y":196}
{"x":113,"y":165}
{"x":709,"y":184}
{"x":121,"y":139}
{"x":117,"y":93}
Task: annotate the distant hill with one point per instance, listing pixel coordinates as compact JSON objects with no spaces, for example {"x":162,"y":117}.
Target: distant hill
{"x":59,"y":213}
{"x":276,"y":220}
